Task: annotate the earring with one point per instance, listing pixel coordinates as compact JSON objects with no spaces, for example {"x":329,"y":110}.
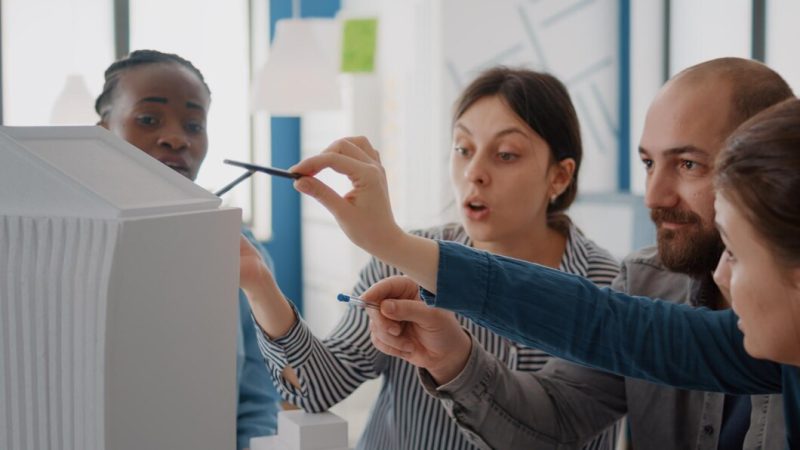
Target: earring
{"x":553,"y":198}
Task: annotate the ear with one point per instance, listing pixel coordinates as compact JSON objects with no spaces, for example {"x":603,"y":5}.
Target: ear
{"x":561,"y":174}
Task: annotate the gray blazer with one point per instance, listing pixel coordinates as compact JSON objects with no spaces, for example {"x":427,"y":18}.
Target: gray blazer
{"x":564,"y":405}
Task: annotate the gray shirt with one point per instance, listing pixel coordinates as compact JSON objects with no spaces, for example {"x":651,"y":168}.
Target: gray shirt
{"x":564,"y":405}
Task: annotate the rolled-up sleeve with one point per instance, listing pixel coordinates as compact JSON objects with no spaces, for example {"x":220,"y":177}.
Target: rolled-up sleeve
{"x":569,"y":317}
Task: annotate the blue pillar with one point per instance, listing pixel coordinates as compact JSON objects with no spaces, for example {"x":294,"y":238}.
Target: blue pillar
{"x":624,"y":162}
{"x":285,"y":247}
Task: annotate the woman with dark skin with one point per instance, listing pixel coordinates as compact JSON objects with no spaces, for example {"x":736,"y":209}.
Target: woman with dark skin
{"x":159,"y":103}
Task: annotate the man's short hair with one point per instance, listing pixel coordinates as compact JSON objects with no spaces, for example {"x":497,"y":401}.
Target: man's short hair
{"x":754,"y":86}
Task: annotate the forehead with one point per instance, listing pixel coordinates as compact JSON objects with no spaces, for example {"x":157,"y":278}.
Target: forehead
{"x":723,"y":210}
{"x":488,"y":113}
{"x":689,"y":114}
{"x":168,"y":80}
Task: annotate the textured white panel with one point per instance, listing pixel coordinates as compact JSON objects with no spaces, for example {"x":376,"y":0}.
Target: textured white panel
{"x":52,"y":300}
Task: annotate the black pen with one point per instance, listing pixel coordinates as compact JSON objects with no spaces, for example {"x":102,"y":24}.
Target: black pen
{"x":269,"y":170}
{"x":251,"y":169}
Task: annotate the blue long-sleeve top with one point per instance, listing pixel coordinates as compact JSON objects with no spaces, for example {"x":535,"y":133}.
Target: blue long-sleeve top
{"x":569,"y":317}
{"x":259,"y":401}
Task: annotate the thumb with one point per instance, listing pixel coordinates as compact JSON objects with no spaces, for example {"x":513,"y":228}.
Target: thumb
{"x":414,"y":311}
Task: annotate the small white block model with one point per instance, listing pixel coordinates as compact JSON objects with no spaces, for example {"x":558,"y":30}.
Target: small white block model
{"x":299,"y":430}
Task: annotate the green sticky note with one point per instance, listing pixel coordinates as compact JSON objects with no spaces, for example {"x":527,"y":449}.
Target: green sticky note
{"x":359,"y":44}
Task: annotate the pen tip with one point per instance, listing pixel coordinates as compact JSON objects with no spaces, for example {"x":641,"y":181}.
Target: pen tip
{"x":343,"y":298}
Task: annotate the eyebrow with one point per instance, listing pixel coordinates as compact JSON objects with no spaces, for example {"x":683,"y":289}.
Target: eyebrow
{"x":508,"y":131}
{"x":501,"y":133}
{"x":162,"y":100}
{"x":677,"y":151}
{"x":463,"y":128}
{"x":193,"y":105}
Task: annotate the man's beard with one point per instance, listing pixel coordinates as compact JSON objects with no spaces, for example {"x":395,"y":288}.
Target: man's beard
{"x":692,"y":249}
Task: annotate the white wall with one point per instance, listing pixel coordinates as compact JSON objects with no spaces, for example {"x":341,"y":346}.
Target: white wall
{"x":43,"y":42}
{"x":702,"y":30}
{"x":646,"y":76}
{"x":783,"y":40}
{"x":576,"y":41}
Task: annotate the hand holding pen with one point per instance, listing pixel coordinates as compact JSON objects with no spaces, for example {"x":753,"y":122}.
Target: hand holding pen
{"x":365,"y":212}
{"x":405,"y":327}
{"x":355,"y":301}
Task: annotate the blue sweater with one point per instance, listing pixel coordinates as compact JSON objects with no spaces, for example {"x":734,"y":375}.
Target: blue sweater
{"x":569,"y":317}
{"x":258,"y":405}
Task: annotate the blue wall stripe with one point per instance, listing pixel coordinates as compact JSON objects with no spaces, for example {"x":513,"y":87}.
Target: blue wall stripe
{"x":624,"y":163}
{"x":285,"y":247}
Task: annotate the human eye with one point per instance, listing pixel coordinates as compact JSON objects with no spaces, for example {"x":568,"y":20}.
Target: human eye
{"x":195,"y":127}
{"x":147,"y":119}
{"x":729,"y":257}
{"x":507,"y":156}
{"x":461,"y":150}
{"x":647,"y":163}
{"x":688,"y":164}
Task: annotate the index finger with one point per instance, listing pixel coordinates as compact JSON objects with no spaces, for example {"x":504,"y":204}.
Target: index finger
{"x":339,"y":162}
{"x":357,"y":148}
{"x":360,"y":150}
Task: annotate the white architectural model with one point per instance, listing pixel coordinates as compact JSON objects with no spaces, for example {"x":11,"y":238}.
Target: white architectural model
{"x":299,"y":430}
{"x":118,"y":298}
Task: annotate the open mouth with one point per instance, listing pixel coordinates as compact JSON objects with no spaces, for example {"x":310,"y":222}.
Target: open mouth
{"x":476,"y":210}
{"x":476,"y":206}
{"x":180,"y":168}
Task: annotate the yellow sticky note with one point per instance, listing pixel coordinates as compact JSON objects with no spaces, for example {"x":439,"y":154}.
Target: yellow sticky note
{"x":359,"y":45}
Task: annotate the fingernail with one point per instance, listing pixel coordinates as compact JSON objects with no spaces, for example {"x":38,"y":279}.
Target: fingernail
{"x":388,"y":306}
{"x":394,"y":330}
{"x":303,"y":186}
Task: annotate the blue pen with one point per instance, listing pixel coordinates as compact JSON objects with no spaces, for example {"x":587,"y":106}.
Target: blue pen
{"x":361,"y":303}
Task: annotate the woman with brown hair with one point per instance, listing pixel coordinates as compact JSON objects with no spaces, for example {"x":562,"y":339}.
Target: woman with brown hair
{"x":514,"y":163}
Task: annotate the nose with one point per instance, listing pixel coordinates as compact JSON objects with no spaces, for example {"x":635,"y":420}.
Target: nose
{"x":660,"y":190}
{"x":476,"y":172}
{"x":174,"y":138}
{"x":722,"y":276}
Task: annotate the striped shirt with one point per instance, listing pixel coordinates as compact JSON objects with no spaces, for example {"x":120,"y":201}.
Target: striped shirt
{"x":404,"y":415}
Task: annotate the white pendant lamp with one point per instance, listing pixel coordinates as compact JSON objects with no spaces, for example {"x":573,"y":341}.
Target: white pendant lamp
{"x":301,"y":74}
{"x":74,"y":105}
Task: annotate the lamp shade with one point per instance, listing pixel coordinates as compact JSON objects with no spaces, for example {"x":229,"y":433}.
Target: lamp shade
{"x":301,"y":74}
{"x":74,"y":105}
